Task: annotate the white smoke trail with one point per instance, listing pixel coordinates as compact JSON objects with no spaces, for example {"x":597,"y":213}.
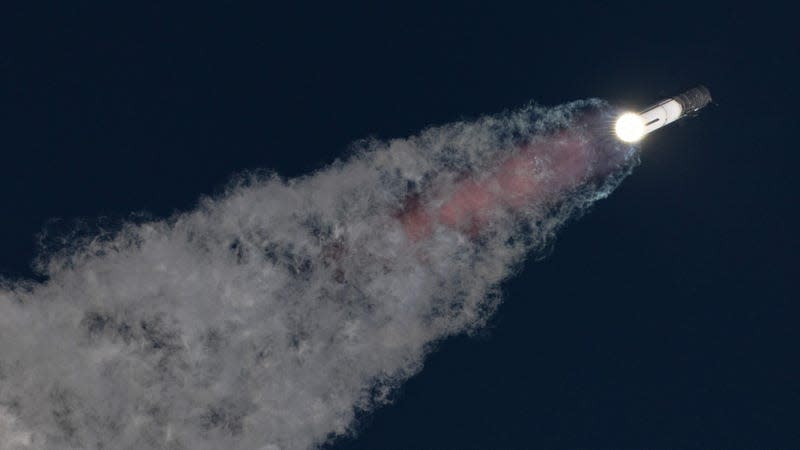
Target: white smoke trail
{"x":267,"y":317}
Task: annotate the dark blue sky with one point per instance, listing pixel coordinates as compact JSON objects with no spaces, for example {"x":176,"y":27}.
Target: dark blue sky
{"x":666,"y":318}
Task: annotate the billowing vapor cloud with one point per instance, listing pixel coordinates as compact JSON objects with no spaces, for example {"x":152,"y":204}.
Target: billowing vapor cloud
{"x":269,"y":316}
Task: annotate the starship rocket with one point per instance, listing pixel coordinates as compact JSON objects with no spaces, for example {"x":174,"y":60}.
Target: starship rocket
{"x":631,"y":126}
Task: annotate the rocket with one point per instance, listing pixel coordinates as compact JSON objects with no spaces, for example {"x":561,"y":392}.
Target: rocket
{"x":631,"y":127}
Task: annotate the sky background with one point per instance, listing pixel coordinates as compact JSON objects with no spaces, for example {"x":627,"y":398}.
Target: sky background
{"x":666,"y":317}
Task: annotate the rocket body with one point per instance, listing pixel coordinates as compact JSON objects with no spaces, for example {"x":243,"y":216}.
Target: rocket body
{"x":660,"y":114}
{"x":631,"y":127}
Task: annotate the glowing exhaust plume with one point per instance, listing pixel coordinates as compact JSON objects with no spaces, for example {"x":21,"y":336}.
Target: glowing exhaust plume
{"x":268,"y":316}
{"x":630,"y":127}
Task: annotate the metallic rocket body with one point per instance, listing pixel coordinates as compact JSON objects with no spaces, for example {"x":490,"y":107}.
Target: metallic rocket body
{"x":631,"y":127}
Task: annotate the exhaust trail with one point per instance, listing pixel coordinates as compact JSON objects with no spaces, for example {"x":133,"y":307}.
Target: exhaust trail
{"x":269,"y":316}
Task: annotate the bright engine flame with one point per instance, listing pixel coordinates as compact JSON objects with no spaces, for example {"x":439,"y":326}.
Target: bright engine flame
{"x":630,"y":127}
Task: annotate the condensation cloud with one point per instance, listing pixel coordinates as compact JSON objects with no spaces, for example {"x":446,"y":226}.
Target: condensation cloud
{"x":270,"y":315}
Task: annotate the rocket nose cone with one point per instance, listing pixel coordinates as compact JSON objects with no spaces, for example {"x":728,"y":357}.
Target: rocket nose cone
{"x":694,"y":99}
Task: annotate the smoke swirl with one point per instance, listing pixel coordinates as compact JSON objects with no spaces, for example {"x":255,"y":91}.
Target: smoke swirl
{"x":270,"y":315}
